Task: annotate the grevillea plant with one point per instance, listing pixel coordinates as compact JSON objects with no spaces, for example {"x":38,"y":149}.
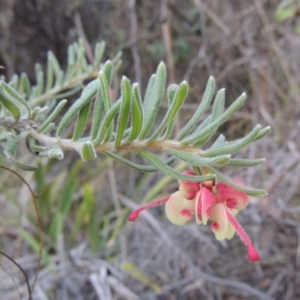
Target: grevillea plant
{"x":96,"y":124}
{"x":205,"y":201}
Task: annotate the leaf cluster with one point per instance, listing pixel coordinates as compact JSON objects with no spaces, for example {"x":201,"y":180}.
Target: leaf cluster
{"x":101,"y":124}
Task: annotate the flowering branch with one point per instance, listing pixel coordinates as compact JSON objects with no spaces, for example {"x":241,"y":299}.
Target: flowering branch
{"x":101,"y":125}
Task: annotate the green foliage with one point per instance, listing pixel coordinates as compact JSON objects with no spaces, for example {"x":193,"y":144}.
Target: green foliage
{"x":102,"y":125}
{"x":288,"y":9}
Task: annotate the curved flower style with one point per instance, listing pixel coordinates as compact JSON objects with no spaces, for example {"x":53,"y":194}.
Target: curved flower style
{"x":206,"y":201}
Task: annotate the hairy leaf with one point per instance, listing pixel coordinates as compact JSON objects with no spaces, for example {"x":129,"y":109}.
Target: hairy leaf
{"x":86,"y":96}
{"x":9,"y":103}
{"x":234,"y":146}
{"x":152,"y":106}
{"x":81,"y":121}
{"x":196,"y":160}
{"x":105,"y":125}
{"x":136,"y":166}
{"x":164,"y":168}
{"x":207,"y":98}
{"x":245,"y":162}
{"x":179,"y":98}
{"x":124,"y":110}
{"x":193,"y":138}
{"x":52,"y":116}
{"x":136,"y":115}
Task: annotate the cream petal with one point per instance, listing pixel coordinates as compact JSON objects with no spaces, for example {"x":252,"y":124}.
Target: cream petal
{"x":231,"y":232}
{"x":179,"y":210}
{"x":220,"y":224}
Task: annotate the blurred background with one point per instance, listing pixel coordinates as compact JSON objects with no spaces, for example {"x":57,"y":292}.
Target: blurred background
{"x":90,"y":251}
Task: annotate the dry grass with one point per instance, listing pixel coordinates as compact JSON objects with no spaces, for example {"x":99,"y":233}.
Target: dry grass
{"x":241,"y":44}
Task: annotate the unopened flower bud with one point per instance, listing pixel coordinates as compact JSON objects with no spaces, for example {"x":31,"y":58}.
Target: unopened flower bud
{"x":188,"y":189}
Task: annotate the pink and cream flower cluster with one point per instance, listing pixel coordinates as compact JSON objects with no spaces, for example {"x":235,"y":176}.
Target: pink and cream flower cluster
{"x":206,"y":202}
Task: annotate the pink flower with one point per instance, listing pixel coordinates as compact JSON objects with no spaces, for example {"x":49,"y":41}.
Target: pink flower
{"x":206,"y":202}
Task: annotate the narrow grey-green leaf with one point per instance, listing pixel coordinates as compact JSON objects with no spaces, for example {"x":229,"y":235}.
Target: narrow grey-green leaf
{"x":23,"y":166}
{"x":50,"y":74}
{"x":219,"y":104}
{"x":179,"y":98}
{"x":50,"y":127}
{"x":81,"y":59}
{"x":52,"y":116}
{"x":196,"y":160}
{"x":97,"y":114}
{"x":14,"y":81}
{"x":136,"y":115}
{"x":86,"y":96}
{"x":206,"y":99}
{"x":39,"y":74}
{"x":108,"y":71}
{"x":9,"y":104}
{"x":171,"y":91}
{"x":147,"y":98}
{"x":217,"y":111}
{"x":258,"y":193}
{"x":124,"y":110}
{"x":25,"y":87}
{"x":219,"y":141}
{"x":81,"y":121}
{"x":156,"y":97}
{"x":164,"y":168}
{"x":56,"y":68}
{"x":169,"y":129}
{"x":245,"y":162}
{"x":136,"y":166}
{"x":71,"y":63}
{"x":236,"y":105}
{"x":203,"y":140}
{"x":104,"y":89}
{"x":201,"y":127}
{"x":105,"y":125}
{"x":206,"y":122}
{"x":16,"y":96}
{"x":99,"y":50}
{"x":88,"y":151}
{"x":35,"y":113}
{"x":234,"y":146}
{"x":262,"y":133}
